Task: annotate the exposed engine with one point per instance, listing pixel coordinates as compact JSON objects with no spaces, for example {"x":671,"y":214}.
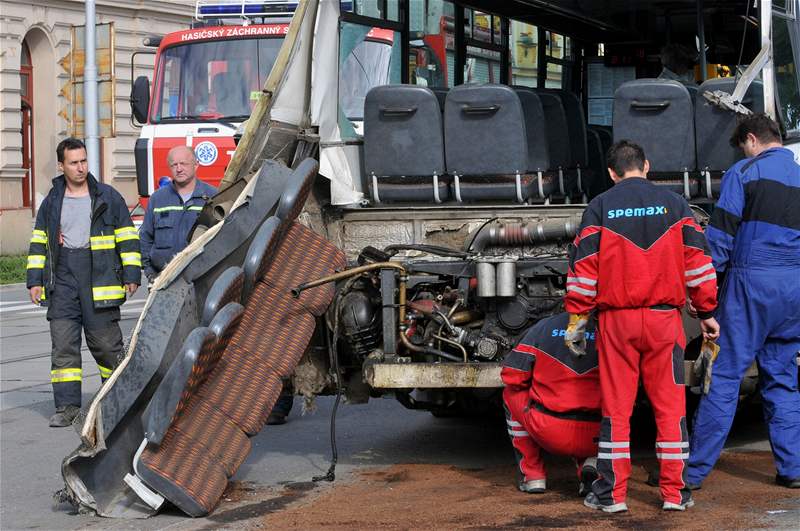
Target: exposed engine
{"x":425,"y":303}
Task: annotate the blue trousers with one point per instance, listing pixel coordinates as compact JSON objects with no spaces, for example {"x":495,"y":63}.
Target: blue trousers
{"x":759,"y":317}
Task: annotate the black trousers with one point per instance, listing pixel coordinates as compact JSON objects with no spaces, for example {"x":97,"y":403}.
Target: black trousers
{"x":70,"y":310}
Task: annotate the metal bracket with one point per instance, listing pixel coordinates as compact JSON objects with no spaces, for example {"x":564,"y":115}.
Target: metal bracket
{"x":457,"y":187}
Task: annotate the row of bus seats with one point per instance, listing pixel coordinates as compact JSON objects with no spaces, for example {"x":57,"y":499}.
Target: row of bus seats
{"x":685,"y":138}
{"x":477,"y":142}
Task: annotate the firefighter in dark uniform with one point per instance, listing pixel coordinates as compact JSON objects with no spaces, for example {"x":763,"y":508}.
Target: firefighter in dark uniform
{"x":172,"y":211}
{"x":552,"y":403}
{"x":83,"y":259}
{"x":637,"y":252}
{"x":754,"y":237}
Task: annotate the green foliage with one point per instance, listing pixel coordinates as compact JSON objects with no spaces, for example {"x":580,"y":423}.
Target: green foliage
{"x":12,"y":269}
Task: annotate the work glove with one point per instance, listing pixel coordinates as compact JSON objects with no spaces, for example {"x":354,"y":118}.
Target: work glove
{"x":703,"y":364}
{"x":575,"y":336}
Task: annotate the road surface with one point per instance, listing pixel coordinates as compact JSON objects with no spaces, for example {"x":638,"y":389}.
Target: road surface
{"x":410,"y":461}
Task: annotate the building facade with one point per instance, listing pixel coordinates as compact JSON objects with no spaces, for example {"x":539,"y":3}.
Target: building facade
{"x":35,"y":35}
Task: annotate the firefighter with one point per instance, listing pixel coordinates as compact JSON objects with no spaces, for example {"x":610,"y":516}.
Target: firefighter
{"x":172,"y":211}
{"x":754,"y":237}
{"x":552,"y":403}
{"x":83,"y":259}
{"x":637,"y":252}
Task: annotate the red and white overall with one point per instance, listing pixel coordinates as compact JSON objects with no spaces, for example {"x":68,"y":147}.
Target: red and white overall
{"x":552,"y":398}
{"x":638,"y":251}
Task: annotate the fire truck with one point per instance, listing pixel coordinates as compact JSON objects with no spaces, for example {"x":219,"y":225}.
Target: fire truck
{"x":206,"y":81}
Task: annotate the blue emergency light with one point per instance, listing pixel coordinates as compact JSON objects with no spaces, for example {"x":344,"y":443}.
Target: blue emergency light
{"x":249,"y":8}
{"x":243,"y":8}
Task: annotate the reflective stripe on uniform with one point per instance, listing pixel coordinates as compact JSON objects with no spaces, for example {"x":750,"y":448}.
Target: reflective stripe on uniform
{"x":102,"y":242}
{"x":131,"y":259}
{"x":616,"y":444}
{"x":39,"y":236}
{"x":36,"y":261}
{"x":195,"y":208}
{"x":672,"y":444}
{"x":104,"y":371}
{"x":518,"y":433}
{"x":616,"y":455}
{"x":105,"y":293}
{"x":698,"y":281}
{"x":692,"y":272}
{"x":125,"y":234}
{"x":664,"y":455}
{"x":167,"y":209}
{"x":65,"y":375}
{"x":582,"y":291}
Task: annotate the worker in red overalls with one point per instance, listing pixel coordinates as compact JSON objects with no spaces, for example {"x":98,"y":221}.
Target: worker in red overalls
{"x":637,"y":252}
{"x":552,"y":403}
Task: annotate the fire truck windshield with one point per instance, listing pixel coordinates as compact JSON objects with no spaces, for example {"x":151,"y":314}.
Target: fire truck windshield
{"x":212,"y":80}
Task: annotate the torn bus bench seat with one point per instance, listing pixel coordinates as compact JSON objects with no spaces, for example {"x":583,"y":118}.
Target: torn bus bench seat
{"x":99,"y":474}
{"x":236,"y":399}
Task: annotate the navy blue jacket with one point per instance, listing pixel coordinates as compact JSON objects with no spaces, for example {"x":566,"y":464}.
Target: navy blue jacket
{"x":167,"y":223}
{"x":756,"y":222}
{"x":113,"y":241}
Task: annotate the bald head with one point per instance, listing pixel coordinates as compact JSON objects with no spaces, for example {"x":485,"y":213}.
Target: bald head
{"x":185,"y":150}
{"x":183,"y":167}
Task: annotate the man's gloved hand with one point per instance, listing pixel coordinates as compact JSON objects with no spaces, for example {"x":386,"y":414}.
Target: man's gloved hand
{"x":575,"y":336}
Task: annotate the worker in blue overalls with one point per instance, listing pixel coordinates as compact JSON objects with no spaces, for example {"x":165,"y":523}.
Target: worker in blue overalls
{"x":754,"y":237}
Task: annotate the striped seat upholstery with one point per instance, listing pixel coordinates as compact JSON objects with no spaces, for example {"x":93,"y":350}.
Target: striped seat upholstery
{"x":208,"y":443}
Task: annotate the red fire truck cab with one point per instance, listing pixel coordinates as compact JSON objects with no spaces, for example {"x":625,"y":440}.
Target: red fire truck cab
{"x":206,"y":82}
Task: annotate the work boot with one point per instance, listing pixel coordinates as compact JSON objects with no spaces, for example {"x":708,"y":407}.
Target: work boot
{"x":64,"y":416}
{"x":694,"y":486}
{"x":593,"y":502}
{"x":532,"y":486}
{"x":588,"y":476}
{"x":671,"y":506}
{"x":789,"y":483}
{"x":281,"y":409}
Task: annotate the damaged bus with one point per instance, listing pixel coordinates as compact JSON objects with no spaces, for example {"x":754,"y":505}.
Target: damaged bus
{"x":399,"y":209}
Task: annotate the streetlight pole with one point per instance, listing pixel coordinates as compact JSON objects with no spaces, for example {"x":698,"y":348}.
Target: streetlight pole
{"x":90,"y":107}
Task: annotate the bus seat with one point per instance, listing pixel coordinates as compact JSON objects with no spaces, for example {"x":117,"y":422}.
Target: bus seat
{"x":576,"y":127}
{"x":403,"y":145}
{"x":538,"y":150}
{"x":598,"y":180}
{"x":658,"y":114}
{"x":714,"y":126}
{"x":441,"y":96}
{"x":558,"y":139}
{"x":486,"y":145}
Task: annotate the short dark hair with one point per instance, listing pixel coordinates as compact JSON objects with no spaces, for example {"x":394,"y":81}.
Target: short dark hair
{"x":759,"y":124}
{"x":625,"y":156}
{"x":68,"y":144}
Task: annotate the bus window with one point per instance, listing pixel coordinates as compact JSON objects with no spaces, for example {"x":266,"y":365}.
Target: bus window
{"x":524,"y":53}
{"x":483,"y":54}
{"x":786,"y":49}
{"x":368,"y":57}
{"x":558,"y":52}
{"x":373,"y":8}
{"x":432,"y":43}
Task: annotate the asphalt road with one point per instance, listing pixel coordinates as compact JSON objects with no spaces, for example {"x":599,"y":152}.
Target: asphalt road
{"x":380,"y":433}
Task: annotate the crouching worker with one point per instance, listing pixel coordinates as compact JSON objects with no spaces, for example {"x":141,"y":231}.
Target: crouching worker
{"x":552,"y":403}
